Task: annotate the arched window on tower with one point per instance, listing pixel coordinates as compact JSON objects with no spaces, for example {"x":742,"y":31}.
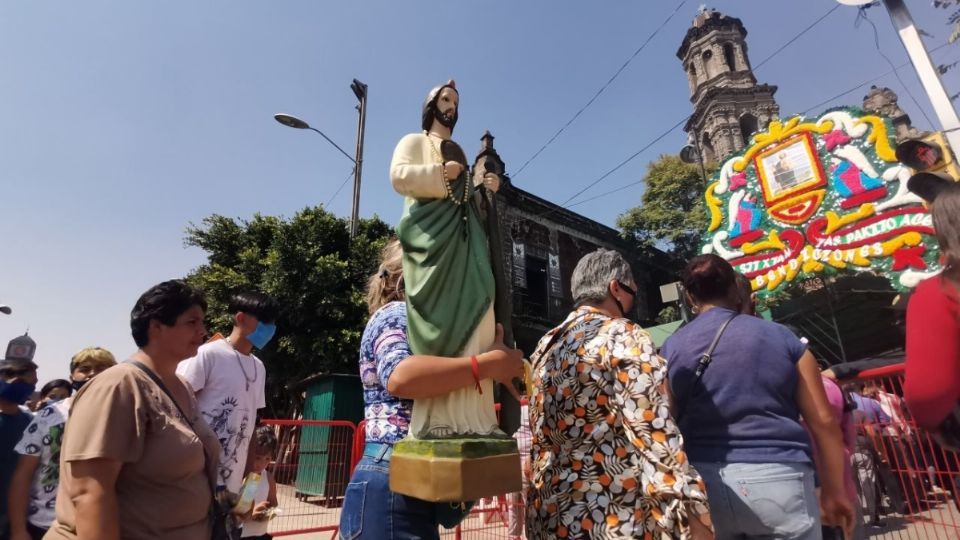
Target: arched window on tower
{"x":706,"y":147}
{"x":748,"y":126}
{"x":729,"y":57}
{"x":709,"y":70}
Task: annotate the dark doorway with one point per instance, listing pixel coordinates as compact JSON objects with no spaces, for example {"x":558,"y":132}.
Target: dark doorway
{"x":536,"y":301}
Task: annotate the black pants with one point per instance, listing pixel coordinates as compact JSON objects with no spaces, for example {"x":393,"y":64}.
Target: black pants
{"x":36,"y":533}
{"x":832,"y":533}
{"x":261,"y":537}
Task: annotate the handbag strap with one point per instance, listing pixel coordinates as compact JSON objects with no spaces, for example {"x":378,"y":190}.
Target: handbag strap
{"x":206,"y":459}
{"x":705,"y":358}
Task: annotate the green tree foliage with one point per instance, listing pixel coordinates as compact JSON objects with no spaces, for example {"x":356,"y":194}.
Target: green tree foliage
{"x":672,"y":215}
{"x":309,"y":265}
{"x":953,"y":20}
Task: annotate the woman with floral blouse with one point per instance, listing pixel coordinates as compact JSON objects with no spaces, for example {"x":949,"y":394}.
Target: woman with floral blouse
{"x":608,"y":459}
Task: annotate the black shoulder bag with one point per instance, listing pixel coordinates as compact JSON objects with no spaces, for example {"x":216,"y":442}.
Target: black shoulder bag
{"x":702,"y":365}
{"x":219,"y":518}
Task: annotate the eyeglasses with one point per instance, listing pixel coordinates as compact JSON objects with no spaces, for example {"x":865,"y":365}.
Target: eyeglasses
{"x":629,"y":290}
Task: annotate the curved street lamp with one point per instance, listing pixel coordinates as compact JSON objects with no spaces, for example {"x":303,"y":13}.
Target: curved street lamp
{"x":359,"y":90}
{"x":5,"y":309}
{"x":691,"y":153}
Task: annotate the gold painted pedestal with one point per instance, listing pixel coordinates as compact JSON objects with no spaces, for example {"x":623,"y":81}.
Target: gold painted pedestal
{"x":455,"y":470}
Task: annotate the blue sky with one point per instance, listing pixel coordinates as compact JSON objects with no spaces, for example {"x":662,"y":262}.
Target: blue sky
{"x":123,"y":122}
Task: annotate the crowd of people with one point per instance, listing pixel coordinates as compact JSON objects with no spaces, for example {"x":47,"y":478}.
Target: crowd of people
{"x":630,"y":442}
{"x":163,"y":445}
{"x":730,"y":430}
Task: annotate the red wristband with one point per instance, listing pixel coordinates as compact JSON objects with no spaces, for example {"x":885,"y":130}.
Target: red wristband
{"x":475,"y":365}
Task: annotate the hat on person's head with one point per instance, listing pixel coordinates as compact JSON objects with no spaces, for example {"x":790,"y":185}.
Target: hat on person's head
{"x":19,"y":356}
{"x":17,"y":365}
{"x":927,"y":185}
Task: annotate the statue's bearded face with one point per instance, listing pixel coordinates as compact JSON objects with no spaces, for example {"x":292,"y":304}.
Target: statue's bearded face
{"x":445,"y":110}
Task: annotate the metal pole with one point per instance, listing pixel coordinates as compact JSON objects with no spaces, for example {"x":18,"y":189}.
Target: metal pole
{"x":703,"y":170}
{"x":360,"y":90}
{"x":926,"y":71}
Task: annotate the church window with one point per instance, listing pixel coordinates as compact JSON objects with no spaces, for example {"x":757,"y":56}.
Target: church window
{"x":707,"y":58}
{"x":729,"y":56}
{"x":748,"y":126}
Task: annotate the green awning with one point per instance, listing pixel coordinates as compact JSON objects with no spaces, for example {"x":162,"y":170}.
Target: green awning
{"x":662,"y":332}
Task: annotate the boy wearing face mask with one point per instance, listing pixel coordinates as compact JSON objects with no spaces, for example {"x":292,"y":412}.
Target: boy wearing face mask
{"x":18,"y":380}
{"x":229,"y":382}
{"x":33,"y":488}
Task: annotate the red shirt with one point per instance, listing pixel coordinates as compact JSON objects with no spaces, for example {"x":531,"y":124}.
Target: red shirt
{"x":932,"y":379}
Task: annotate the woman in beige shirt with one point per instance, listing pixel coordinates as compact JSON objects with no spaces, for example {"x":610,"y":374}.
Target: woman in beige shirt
{"x":131,"y":467}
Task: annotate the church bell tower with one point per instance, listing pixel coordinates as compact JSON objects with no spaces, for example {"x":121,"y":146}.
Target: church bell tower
{"x":728,"y":104}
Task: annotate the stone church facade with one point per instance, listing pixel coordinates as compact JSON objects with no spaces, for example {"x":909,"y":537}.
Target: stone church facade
{"x":541,"y":245}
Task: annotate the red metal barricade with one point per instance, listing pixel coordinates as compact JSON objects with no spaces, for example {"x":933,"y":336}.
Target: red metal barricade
{"x":312,"y":469}
{"x":904,"y":478}
{"x":494,"y":518}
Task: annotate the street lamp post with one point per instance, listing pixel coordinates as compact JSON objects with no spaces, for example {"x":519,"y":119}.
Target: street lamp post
{"x":691,"y":154}
{"x":359,"y":90}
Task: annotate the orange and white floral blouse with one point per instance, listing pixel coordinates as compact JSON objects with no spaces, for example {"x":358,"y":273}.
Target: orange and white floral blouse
{"x":607,"y":457}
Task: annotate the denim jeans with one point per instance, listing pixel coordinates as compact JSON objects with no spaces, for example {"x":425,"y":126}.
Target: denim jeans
{"x":372,"y":512}
{"x":762,"y":500}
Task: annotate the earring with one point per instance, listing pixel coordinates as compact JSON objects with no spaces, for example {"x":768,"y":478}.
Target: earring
{"x":695,"y":309}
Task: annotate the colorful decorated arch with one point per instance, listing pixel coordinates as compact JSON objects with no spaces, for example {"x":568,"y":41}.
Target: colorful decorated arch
{"x":820,"y":196}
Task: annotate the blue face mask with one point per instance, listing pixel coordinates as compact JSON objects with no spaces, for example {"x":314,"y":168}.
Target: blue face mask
{"x":262,"y":335}
{"x":17,"y":391}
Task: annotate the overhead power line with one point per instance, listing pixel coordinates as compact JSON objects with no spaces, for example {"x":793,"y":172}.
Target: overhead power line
{"x":845,"y":92}
{"x":862,"y":16}
{"x":569,"y":202}
{"x":664,"y":134}
{"x":337,"y":192}
{"x":600,"y":91}
{"x":866,"y":82}
{"x":796,"y":37}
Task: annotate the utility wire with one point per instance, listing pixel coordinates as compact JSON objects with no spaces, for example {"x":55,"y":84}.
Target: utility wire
{"x":600,"y":91}
{"x":567,"y":203}
{"x":337,"y":192}
{"x":866,"y":82}
{"x":762,"y":62}
{"x":796,"y":37}
{"x":638,"y":182}
{"x":630,"y":158}
{"x":862,"y":16}
{"x":625,"y":64}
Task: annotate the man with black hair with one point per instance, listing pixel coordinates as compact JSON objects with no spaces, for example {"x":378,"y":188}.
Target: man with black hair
{"x":229,"y":381}
{"x":18,"y":379}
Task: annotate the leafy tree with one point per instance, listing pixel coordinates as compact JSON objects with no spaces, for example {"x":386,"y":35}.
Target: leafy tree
{"x":672,"y":215}
{"x":953,"y":19}
{"x":318,"y":276}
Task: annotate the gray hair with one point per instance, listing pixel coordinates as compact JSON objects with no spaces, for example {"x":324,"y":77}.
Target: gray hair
{"x":591,"y":278}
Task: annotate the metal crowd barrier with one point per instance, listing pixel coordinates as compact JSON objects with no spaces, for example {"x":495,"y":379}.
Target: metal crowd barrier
{"x":312,"y":469}
{"x":903,"y":476}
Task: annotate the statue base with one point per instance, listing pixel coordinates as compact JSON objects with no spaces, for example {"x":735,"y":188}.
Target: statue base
{"x":455,"y":470}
